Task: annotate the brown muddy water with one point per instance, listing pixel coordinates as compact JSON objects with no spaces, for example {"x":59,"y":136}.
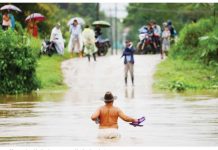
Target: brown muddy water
{"x":62,"y":118}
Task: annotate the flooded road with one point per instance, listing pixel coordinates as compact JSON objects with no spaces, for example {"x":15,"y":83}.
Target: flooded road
{"x":60,"y":118}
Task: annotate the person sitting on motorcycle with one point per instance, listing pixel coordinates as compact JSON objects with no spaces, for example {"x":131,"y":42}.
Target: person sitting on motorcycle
{"x":151,"y":34}
{"x":98,"y":33}
{"x":157,"y":32}
{"x":142,"y":33}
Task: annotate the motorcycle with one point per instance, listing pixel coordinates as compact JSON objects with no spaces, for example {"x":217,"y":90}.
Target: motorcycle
{"x":102,"y":45}
{"x":146,"y":44}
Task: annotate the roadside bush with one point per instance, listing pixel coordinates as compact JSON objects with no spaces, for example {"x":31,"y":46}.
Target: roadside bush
{"x":34,"y":44}
{"x":189,"y":35}
{"x":178,"y":86}
{"x":17,"y":64}
{"x":19,"y":29}
{"x":209,"y":46}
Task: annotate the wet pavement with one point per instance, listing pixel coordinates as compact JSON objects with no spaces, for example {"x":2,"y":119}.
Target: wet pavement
{"x":62,"y":118}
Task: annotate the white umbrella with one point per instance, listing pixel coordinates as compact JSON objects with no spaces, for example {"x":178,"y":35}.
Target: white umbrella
{"x":79,"y":20}
{"x":10,"y":7}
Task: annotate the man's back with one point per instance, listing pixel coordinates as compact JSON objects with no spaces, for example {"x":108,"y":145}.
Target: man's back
{"x":108,"y":117}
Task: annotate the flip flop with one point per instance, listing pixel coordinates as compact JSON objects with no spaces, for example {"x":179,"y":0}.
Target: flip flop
{"x":140,"y":120}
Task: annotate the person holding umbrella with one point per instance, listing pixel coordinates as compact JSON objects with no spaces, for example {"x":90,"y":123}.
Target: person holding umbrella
{"x":32,"y":28}
{"x":6,"y":22}
{"x":32,"y":21}
{"x":89,"y":42}
{"x":10,"y":15}
{"x":75,"y":43}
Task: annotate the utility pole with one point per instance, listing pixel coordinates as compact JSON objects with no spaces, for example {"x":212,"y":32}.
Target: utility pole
{"x":111,"y":21}
{"x":97,"y":11}
{"x":116,"y":39}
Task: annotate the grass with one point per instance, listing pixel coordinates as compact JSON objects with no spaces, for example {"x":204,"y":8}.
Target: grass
{"x":49,"y":72}
{"x":178,"y":75}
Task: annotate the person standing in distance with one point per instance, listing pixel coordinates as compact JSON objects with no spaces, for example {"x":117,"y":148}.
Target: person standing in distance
{"x":128,"y":55}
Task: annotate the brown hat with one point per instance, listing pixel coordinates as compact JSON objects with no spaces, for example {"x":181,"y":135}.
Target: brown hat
{"x":108,"y":97}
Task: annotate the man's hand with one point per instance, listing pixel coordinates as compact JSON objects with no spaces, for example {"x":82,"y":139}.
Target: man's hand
{"x":135,"y":121}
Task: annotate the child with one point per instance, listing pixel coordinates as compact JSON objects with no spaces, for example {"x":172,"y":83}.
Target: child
{"x":165,"y":42}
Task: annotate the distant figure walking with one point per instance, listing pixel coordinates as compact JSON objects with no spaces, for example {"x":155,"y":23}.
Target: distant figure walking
{"x":107,"y":117}
{"x":128,"y":55}
{"x":88,"y":36}
{"x":75,"y":43}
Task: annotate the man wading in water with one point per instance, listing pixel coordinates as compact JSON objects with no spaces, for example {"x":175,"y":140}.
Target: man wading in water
{"x":107,"y":117}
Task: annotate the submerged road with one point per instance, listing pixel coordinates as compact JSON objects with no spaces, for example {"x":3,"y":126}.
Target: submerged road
{"x":63,"y":118}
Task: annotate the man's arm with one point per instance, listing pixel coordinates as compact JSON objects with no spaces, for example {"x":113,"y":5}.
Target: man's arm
{"x":95,"y":115}
{"x":125,"y":117}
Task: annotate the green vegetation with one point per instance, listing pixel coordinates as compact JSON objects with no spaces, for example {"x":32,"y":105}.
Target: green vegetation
{"x":193,"y":62}
{"x":49,"y":72}
{"x":180,"y":75}
{"x":140,"y":14}
{"x":55,"y":12}
{"x":48,"y":69}
{"x":17,"y":65}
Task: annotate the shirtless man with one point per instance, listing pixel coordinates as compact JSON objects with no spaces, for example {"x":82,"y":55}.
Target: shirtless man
{"x":107,"y":116}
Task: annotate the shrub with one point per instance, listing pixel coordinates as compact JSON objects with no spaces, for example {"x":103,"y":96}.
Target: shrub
{"x":17,"y":64}
{"x":209,"y":48}
{"x":189,"y":45}
{"x":190,"y":34}
{"x":34,"y":44}
{"x":178,"y":86}
{"x":19,"y":29}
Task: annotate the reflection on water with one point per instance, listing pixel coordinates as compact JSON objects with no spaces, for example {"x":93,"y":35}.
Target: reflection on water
{"x":129,"y":95}
{"x":176,"y":121}
{"x":63,"y":118}
{"x":22,"y":139}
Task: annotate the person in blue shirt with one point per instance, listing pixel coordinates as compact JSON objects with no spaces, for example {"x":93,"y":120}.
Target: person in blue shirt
{"x":128,"y":55}
{"x":12,"y":20}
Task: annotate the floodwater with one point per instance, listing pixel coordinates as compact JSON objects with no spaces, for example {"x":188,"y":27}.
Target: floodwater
{"x":62,"y":118}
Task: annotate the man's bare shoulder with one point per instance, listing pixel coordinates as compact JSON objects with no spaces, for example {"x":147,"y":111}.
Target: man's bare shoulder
{"x":116,"y":108}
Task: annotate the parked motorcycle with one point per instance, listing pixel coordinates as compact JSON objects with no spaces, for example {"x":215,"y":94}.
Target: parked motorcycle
{"x":102,"y":44}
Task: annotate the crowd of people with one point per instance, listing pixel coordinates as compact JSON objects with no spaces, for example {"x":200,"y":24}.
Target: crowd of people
{"x":79,"y":40}
{"x":107,"y":115}
{"x":158,"y":36}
